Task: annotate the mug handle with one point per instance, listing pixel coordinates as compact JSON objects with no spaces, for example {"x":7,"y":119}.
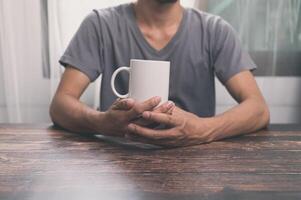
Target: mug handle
{"x":113,"y":82}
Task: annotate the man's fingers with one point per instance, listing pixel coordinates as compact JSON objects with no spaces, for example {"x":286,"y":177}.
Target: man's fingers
{"x":160,"y":118}
{"x":165,"y":138}
{"x":145,"y":123}
{"x":165,"y":108}
{"x":123,"y":104}
{"x":148,"y":105}
{"x":151,"y":134}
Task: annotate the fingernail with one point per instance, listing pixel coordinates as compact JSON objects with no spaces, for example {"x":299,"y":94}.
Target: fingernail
{"x":170,"y":104}
{"x":130,"y":102}
{"x":146,"y":114}
{"x":131,"y":127}
{"x":158,"y":99}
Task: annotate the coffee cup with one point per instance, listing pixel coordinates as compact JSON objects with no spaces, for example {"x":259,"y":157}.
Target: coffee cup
{"x":147,"y":79}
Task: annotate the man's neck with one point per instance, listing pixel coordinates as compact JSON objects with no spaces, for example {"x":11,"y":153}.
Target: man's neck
{"x":154,"y":14}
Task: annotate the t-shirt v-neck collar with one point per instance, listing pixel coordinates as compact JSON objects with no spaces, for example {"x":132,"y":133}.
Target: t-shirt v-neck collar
{"x":169,"y":46}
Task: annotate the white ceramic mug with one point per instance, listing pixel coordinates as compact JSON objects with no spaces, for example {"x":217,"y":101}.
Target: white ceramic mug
{"x":148,"y":78}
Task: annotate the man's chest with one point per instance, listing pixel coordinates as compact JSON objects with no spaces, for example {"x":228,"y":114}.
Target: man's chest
{"x":185,"y":52}
{"x":158,"y":38}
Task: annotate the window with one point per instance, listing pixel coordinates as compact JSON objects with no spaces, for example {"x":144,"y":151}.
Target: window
{"x":269,"y":29}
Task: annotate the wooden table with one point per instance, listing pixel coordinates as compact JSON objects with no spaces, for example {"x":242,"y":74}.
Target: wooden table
{"x":41,"y":162}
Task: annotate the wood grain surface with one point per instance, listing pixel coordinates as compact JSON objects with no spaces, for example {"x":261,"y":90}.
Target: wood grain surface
{"x":42,"y":162}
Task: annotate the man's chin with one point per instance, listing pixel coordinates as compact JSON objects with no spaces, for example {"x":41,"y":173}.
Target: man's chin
{"x":166,"y":1}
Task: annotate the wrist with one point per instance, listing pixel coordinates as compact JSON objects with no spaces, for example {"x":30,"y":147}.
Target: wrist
{"x":209,"y":128}
{"x":94,"y":120}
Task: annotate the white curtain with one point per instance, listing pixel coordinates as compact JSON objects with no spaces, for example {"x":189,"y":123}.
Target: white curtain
{"x":23,"y":96}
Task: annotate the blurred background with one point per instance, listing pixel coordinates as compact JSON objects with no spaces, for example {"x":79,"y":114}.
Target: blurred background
{"x":34,"y":33}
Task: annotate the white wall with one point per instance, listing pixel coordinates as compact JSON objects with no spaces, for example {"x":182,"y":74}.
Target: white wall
{"x":3,"y":114}
{"x":283,"y":95}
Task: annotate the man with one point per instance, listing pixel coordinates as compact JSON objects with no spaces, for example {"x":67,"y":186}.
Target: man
{"x":199,"y":46}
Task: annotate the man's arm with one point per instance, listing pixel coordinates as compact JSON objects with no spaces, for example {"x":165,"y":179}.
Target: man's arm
{"x":249,"y":115}
{"x":68,"y":112}
{"x":186,"y":128}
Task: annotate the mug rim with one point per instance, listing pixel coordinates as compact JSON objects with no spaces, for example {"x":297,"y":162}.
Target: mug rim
{"x":157,"y":61}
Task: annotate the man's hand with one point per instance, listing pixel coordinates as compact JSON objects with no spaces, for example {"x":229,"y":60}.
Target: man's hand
{"x":251,"y":114}
{"x":68,"y":112}
{"x":183,"y":129}
{"x":164,"y":108}
{"x":126,"y":111}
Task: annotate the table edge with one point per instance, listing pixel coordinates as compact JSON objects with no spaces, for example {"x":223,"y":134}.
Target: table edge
{"x":271,"y":127}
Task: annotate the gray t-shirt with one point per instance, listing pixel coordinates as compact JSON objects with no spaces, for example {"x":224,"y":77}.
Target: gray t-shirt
{"x":204,"y":46}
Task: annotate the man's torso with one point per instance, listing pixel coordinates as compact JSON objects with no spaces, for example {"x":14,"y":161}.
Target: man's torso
{"x":191,"y":77}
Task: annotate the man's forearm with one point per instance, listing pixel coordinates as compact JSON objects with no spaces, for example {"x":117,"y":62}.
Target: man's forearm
{"x":73,"y":115}
{"x":247,"y":117}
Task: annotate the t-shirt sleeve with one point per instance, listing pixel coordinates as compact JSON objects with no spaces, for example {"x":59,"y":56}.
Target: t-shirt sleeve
{"x":229,"y":58}
{"x":84,"y":50}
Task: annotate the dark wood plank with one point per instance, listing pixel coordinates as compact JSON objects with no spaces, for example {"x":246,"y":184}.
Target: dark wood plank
{"x":41,"y":162}
{"x":285,"y":127}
